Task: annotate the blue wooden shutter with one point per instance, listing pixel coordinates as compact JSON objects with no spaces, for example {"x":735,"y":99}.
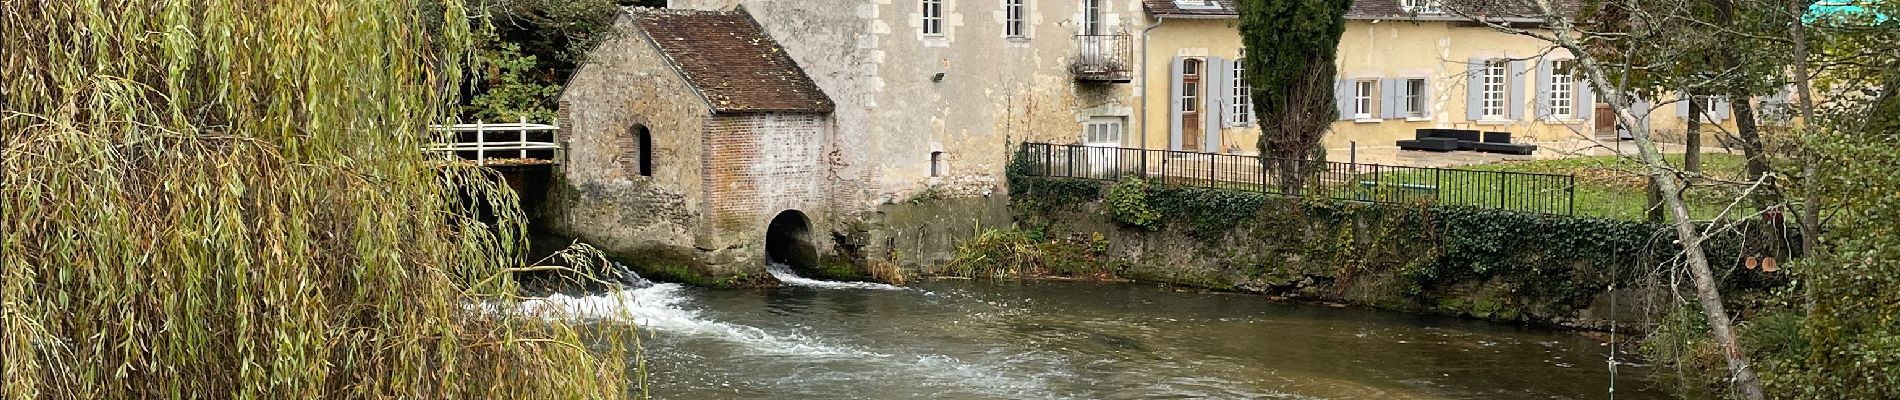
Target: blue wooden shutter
{"x":1720,"y":109}
{"x":1514,"y":98}
{"x":1214,"y":105}
{"x":1474,"y":89}
{"x":1682,"y":106}
{"x":1541,"y":101}
{"x":1389,"y":98}
{"x":1342,"y":97}
{"x":1586,"y":98}
{"x":1174,"y":104}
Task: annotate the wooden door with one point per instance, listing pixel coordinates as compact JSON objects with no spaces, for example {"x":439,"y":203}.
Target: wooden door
{"x":1191,"y":92}
{"x":1605,"y":120}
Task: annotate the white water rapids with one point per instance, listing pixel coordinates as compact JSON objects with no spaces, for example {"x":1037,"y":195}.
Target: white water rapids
{"x":785,"y":275}
{"x":817,"y":339}
{"x":662,"y":307}
{"x":669,"y":310}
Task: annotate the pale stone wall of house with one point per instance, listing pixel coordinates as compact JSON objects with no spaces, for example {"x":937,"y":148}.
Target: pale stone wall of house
{"x":892,"y":113}
{"x":1385,"y":49}
{"x":1183,"y":38}
{"x":968,"y":95}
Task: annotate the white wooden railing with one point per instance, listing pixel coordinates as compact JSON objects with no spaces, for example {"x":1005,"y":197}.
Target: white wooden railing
{"x":516,"y":151}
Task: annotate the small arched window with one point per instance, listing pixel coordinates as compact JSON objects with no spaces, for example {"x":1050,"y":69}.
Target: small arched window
{"x":643,"y":150}
{"x":936,"y":164}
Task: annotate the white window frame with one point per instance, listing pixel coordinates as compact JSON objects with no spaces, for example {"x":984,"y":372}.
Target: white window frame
{"x":1563,"y":92}
{"x":933,"y":17}
{"x":1414,"y":97}
{"x":1492,"y":102}
{"x":1242,"y":108}
{"x":1362,"y":92}
{"x":1014,"y":25}
{"x":1091,"y":17}
{"x":1423,"y":6}
{"x":1191,"y":91}
{"x":1104,"y":131}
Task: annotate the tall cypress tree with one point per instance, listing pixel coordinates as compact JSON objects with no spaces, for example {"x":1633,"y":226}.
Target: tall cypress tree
{"x":1291,"y":45}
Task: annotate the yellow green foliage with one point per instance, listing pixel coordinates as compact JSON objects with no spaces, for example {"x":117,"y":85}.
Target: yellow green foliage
{"x":1853,"y":326}
{"x":225,"y":199}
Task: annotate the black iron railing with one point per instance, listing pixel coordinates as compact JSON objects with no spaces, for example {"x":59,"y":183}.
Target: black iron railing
{"x":1103,"y":58}
{"x":1514,"y":191}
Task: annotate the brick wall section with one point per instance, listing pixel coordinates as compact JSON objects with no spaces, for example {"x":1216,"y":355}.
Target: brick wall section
{"x":760,"y":164}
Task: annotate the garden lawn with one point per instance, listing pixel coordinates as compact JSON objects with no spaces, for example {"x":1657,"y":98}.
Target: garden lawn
{"x":1614,"y":187}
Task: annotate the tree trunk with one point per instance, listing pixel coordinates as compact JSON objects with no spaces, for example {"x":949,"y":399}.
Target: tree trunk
{"x":1810,"y":219}
{"x":1770,"y":196}
{"x":1743,"y":112}
{"x":1655,"y":209}
{"x":1757,"y":164}
{"x":1692,"y":137}
{"x":1706,"y":292}
{"x":1745,"y":379}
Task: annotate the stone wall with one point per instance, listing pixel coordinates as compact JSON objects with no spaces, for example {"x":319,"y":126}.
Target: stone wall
{"x":893,"y":111}
{"x":758,"y":165}
{"x":600,"y":197}
{"x":1478,"y":263}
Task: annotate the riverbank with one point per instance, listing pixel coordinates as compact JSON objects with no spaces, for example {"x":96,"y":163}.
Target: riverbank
{"x":1562,"y":271}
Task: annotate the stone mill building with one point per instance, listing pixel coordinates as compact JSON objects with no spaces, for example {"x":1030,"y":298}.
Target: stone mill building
{"x":692,"y":135}
{"x":711,"y":136}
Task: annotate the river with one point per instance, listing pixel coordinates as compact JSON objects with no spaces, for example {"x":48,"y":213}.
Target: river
{"x":957,"y":339}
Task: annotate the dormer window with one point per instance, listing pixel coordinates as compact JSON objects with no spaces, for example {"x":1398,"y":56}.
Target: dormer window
{"x":1422,"y":6}
{"x":1197,"y":4}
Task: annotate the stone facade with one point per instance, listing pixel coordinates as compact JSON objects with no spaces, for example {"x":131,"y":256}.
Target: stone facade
{"x":851,"y":112}
{"x":763,"y":164}
{"x":680,"y":177}
{"x":1385,"y":45}
{"x":966,"y":94}
{"x":922,"y":117}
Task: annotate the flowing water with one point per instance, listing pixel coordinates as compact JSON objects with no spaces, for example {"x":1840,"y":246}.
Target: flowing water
{"x":815,"y":339}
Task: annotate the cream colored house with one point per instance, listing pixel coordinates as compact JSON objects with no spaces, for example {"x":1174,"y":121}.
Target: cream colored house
{"x":1402,"y":65}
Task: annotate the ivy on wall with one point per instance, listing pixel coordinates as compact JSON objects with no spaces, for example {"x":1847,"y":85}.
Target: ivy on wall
{"x":1128,"y":203}
{"x":1550,"y":265}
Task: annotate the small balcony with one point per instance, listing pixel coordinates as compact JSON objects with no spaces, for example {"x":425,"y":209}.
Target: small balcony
{"x":1103,"y":58}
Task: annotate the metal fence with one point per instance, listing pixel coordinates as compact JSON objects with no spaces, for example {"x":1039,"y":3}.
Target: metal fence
{"x":1514,"y":191}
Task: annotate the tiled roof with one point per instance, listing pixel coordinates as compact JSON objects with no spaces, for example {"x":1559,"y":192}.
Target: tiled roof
{"x":1390,"y":9}
{"x":1361,"y":9}
{"x":731,"y":60}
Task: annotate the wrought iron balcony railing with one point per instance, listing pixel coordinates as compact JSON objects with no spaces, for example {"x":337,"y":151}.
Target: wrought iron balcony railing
{"x":1103,"y":58}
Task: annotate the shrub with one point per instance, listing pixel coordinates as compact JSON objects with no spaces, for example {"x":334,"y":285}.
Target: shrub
{"x":1128,"y":202}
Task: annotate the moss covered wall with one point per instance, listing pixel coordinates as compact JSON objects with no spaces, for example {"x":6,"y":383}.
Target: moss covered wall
{"x":1459,"y":261}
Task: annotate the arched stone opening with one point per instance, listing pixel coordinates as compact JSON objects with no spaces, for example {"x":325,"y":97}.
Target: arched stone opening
{"x":788,"y":241}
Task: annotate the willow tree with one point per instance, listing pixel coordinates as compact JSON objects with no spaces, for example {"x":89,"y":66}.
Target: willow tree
{"x":1291,"y":46}
{"x":226,"y":199}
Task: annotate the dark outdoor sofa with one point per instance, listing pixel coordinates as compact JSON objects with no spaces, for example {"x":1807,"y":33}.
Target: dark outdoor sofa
{"x":1432,"y":139}
{"x":1500,"y":142}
